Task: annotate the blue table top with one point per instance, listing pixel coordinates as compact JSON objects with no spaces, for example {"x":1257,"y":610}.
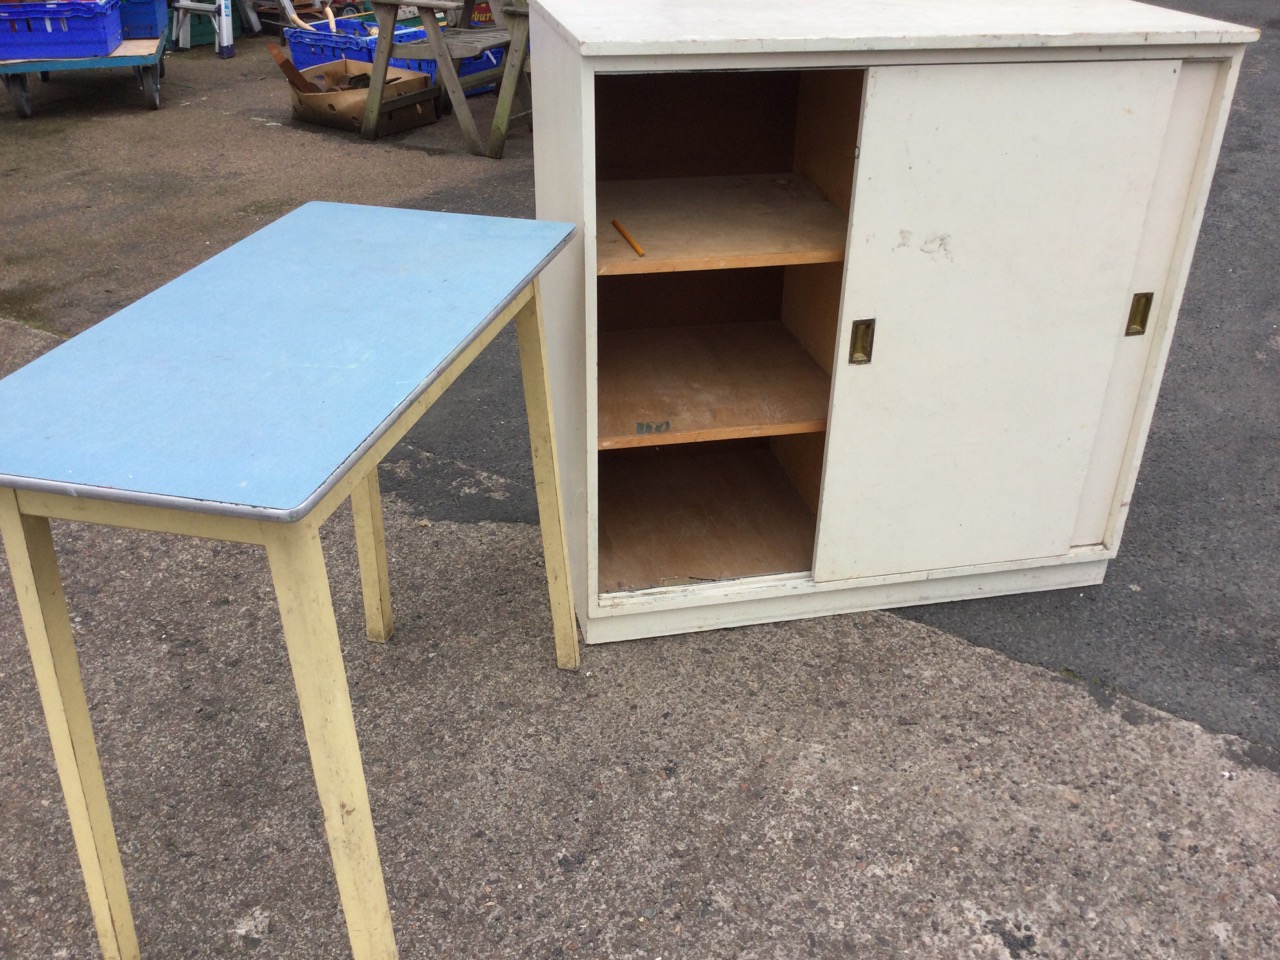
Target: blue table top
{"x":248,"y":385}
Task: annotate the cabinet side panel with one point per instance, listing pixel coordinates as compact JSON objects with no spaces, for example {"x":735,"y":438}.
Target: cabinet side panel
{"x":562,"y":156}
{"x":811,"y":307}
{"x":1161,"y":235}
{"x":997,"y":216}
{"x":827,"y":115}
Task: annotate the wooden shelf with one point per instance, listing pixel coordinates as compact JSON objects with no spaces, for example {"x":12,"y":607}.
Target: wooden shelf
{"x":715,"y":223}
{"x":689,"y":384}
{"x":699,"y":514}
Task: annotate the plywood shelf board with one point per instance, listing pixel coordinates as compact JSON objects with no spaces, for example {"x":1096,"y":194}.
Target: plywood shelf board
{"x":699,"y":514}
{"x":713,"y":223}
{"x":715,"y":382}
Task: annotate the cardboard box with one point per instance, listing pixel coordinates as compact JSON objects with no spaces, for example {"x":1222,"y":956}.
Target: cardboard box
{"x":344,"y":109}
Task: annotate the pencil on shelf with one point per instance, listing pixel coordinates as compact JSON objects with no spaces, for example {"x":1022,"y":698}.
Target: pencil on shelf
{"x":627,"y":237}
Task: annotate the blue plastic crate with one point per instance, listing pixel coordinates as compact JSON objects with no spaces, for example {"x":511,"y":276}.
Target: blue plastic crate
{"x":352,"y":41}
{"x":142,"y":19}
{"x":59,"y":29}
{"x":485,"y":61}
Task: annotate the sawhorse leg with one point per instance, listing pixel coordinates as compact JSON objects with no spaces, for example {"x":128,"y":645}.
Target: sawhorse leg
{"x":446,"y":71}
{"x":537,"y":398}
{"x":385,"y":14}
{"x":34,"y":565}
{"x":516,"y":53}
{"x":311,"y":636}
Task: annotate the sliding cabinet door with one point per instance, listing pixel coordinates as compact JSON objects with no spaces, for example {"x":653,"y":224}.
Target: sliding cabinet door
{"x":997,"y":213}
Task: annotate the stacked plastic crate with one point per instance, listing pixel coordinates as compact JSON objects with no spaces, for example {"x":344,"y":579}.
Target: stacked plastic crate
{"x":59,"y":29}
{"x":351,"y":38}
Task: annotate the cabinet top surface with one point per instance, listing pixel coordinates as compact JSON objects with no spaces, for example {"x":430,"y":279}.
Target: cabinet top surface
{"x":245,"y":386}
{"x":620,"y":27}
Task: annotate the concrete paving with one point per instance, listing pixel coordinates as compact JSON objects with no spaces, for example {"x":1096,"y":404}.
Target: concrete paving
{"x":858,"y":786}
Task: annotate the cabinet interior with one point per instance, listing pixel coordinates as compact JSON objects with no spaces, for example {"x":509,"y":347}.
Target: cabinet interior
{"x":715,"y":348}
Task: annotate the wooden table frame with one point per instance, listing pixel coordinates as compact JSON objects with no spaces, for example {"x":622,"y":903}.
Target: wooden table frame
{"x":310,"y":632}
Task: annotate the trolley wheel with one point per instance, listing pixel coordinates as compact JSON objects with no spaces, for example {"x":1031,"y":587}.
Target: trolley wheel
{"x":160,"y":66}
{"x":346,"y":9}
{"x":151,"y":87}
{"x":16,"y":84}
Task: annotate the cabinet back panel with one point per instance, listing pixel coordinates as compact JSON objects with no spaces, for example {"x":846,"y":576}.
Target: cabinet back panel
{"x":704,"y":124}
{"x":633,"y":301}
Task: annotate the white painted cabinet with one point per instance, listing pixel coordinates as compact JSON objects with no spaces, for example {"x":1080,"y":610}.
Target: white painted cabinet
{"x":865,"y":311}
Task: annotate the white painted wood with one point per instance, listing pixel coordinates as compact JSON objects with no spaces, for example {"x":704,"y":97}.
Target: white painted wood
{"x":996,"y":218}
{"x":799,"y":586}
{"x":625,"y":27}
{"x":803,"y":601}
{"x":564,"y":174}
{"x":1178,"y":273}
{"x":826,"y":59}
{"x":578,"y":39}
{"x":1161,"y":235}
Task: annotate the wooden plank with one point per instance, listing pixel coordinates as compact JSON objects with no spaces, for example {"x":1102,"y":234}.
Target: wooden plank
{"x":386,"y":18}
{"x":810,"y":307}
{"x":716,"y":382}
{"x":371,"y":550}
{"x":311,"y":637}
{"x":140,"y":517}
{"x":715,"y":223}
{"x":446,"y":72}
{"x":801,"y":456}
{"x":42,"y":603}
{"x":517,"y":50}
{"x":542,"y":442}
{"x":698,"y":514}
{"x":825,"y":151}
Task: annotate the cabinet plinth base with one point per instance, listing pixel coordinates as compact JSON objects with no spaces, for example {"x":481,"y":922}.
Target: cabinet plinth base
{"x":636,"y":616}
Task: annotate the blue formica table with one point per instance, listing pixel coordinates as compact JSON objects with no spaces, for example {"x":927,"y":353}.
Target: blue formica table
{"x":245,"y":401}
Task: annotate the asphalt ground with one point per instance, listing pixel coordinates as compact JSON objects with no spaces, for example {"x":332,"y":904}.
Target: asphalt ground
{"x":1101,"y":782}
{"x":1188,"y":619}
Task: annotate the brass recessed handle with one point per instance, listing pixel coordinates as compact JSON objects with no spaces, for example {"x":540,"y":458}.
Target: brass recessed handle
{"x":1139,"y":313}
{"x":861,"y":341}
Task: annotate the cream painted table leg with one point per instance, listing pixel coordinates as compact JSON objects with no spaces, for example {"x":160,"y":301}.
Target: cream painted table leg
{"x":311,"y":636}
{"x":546,"y":475}
{"x":29,"y":546}
{"x":371,"y":548}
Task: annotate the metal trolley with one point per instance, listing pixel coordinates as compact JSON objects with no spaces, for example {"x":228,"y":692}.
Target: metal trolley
{"x":146,"y":57}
